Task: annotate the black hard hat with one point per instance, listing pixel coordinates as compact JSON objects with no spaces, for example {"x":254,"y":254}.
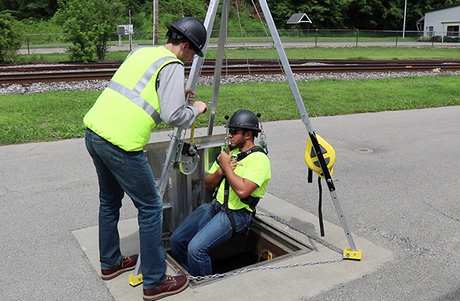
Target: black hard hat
{"x":244,"y":119}
{"x":192,"y":29}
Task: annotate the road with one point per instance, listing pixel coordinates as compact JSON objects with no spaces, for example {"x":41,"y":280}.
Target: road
{"x":396,"y":177}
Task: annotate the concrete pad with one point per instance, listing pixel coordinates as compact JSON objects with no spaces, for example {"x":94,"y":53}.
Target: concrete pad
{"x":293,"y":278}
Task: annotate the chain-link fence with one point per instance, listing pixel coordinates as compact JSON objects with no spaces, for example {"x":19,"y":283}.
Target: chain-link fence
{"x":306,"y":37}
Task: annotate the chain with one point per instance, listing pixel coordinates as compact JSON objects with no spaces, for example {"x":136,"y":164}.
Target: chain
{"x":262,"y":268}
{"x":292,"y":265}
{"x":309,"y":235}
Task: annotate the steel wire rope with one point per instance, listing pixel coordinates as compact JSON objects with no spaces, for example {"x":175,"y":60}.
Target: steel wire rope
{"x":246,"y":55}
{"x":270,"y":41}
{"x":247,"y":65}
{"x":227,"y":116}
{"x":181,"y":8}
{"x":262,"y":140}
{"x":192,"y":127}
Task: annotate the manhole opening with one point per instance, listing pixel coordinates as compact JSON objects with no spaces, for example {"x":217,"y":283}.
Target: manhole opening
{"x":249,"y":251}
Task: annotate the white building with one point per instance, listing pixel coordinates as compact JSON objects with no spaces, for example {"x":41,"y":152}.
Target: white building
{"x":444,"y":21}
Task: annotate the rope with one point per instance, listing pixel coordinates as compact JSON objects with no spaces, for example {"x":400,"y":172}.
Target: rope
{"x":246,"y":56}
{"x":275,"y":53}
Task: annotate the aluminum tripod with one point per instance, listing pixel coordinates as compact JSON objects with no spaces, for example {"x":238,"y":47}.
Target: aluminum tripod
{"x":350,"y":253}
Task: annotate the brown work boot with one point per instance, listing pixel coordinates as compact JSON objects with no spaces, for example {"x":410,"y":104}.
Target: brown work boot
{"x":171,"y":286}
{"x":128,"y":263}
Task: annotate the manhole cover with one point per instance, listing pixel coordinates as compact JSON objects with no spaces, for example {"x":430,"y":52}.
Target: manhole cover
{"x":363,"y":150}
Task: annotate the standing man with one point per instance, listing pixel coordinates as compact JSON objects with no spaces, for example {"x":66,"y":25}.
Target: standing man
{"x":240,"y":179}
{"x":147,"y":89}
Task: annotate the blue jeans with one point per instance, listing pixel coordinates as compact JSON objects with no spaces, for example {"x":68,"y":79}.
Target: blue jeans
{"x":201,"y":232}
{"x":122,"y":172}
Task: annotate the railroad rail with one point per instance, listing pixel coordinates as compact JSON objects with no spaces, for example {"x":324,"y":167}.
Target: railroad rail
{"x":65,"y":72}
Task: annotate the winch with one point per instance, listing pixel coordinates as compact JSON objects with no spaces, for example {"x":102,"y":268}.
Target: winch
{"x":187,"y":157}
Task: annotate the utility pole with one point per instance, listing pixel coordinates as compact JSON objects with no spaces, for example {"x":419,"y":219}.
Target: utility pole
{"x":155,"y":22}
{"x":404,"y":22}
{"x":130,"y":32}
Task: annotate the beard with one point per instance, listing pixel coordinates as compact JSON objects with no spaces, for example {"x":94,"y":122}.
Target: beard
{"x":237,"y":145}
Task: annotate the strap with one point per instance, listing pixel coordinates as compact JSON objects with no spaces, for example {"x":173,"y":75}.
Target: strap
{"x":320,"y":207}
{"x":320,"y":200}
{"x":310,"y":175}
{"x":251,"y":201}
{"x":226,"y":192}
{"x":255,"y":149}
{"x":225,"y":206}
{"x":213,"y":210}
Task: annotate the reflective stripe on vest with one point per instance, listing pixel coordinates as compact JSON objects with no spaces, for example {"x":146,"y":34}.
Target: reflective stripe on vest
{"x":134,"y":94}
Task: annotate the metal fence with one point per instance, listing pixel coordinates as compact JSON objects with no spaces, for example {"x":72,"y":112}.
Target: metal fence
{"x":254,"y":37}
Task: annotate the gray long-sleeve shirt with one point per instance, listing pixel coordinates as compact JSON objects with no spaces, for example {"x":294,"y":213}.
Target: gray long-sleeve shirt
{"x":172,"y":97}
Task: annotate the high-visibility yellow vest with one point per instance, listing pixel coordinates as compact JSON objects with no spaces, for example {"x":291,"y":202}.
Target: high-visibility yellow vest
{"x":128,"y":109}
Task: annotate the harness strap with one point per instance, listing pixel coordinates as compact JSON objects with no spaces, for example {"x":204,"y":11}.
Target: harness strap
{"x":320,"y":207}
{"x":243,"y":155}
{"x":225,"y":206}
{"x":251,"y":201}
{"x":320,"y":201}
{"x":310,"y":175}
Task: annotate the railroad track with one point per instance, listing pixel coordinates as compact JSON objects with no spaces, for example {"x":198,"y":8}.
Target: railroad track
{"x":27,"y":74}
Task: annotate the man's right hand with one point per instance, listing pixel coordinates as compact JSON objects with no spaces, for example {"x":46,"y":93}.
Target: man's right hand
{"x":201,"y":106}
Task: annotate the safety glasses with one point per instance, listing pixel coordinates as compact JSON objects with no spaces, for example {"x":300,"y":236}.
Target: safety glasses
{"x":233,"y":131}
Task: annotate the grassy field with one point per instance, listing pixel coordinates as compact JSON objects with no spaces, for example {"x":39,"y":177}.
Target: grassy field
{"x":58,"y":115}
{"x":364,"y":53}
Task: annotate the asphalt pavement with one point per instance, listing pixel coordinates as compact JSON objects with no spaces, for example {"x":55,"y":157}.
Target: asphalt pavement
{"x":396,"y":176}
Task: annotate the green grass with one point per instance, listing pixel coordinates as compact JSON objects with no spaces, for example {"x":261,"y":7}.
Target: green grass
{"x":58,"y":115}
{"x":43,"y":117}
{"x":336,"y":97}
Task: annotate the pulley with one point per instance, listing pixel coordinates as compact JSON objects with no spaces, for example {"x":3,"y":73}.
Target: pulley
{"x":262,"y":140}
{"x":187,"y":158}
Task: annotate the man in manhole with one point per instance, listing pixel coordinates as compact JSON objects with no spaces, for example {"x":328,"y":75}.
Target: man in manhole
{"x":239,"y":179}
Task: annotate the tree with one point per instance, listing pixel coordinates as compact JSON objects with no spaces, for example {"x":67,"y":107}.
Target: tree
{"x":30,"y":9}
{"x":11,"y":38}
{"x":172,"y":10}
{"x":88,"y":25}
{"x":323,"y":13}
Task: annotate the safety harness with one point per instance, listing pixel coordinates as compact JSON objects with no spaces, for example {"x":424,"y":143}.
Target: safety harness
{"x":251,"y":201}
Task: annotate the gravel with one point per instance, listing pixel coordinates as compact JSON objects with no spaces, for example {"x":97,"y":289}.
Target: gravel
{"x":99,"y":85}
